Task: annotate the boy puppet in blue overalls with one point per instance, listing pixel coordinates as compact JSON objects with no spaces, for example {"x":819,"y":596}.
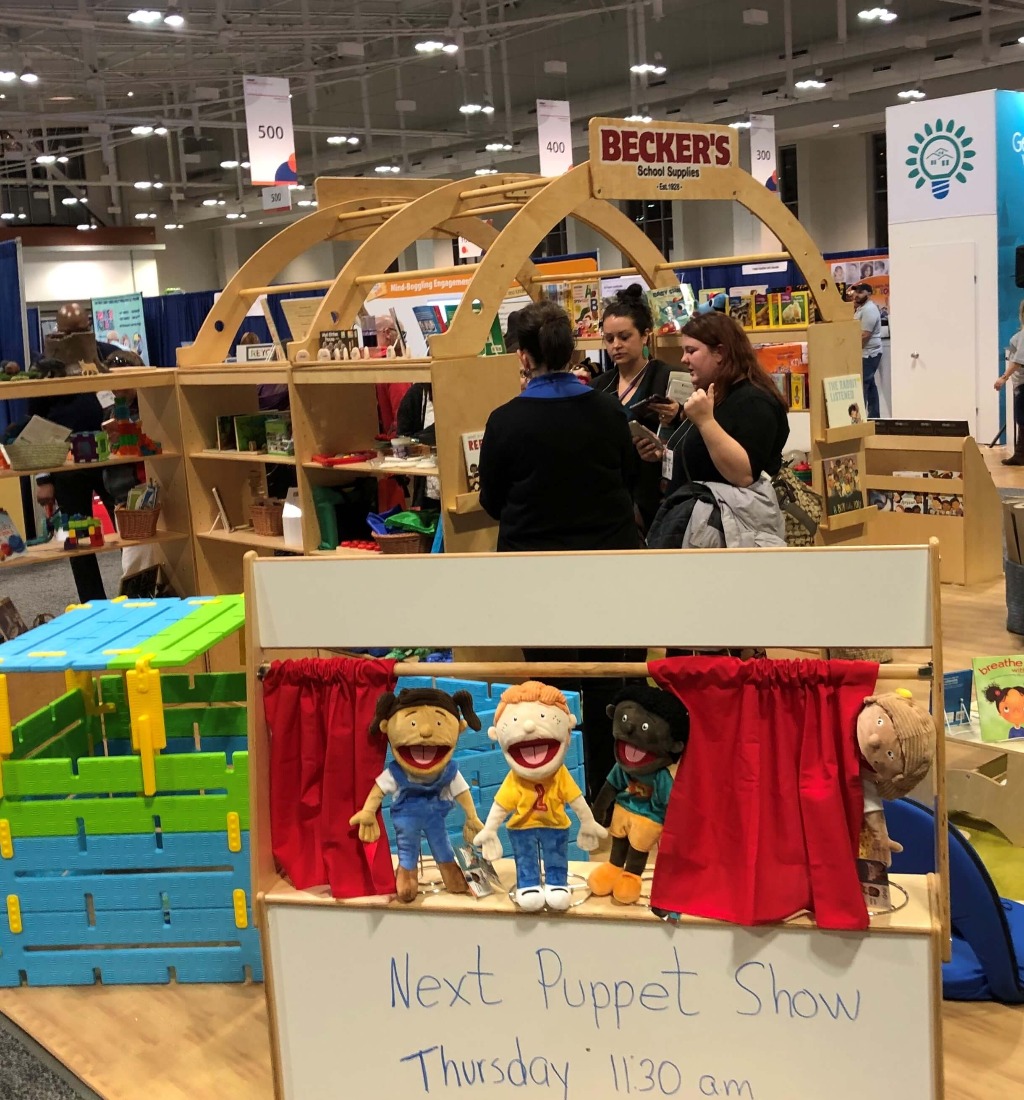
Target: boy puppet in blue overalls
{"x":422,"y":726}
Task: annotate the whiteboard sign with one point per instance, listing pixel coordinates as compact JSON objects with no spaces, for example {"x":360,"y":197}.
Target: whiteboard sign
{"x":451,"y":1005}
{"x":554,"y":136}
{"x":268,"y":125}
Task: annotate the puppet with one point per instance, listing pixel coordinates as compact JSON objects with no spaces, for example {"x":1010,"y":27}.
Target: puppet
{"x":422,"y":726}
{"x":532,"y":726}
{"x":650,"y":727}
{"x":896,"y":738}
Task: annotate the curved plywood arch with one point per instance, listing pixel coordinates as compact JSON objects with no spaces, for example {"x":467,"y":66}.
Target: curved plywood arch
{"x":443,"y":207}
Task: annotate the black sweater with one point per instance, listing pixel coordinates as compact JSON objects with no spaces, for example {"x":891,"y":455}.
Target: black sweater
{"x":556,"y":474}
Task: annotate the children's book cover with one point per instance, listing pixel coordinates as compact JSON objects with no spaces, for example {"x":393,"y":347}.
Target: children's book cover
{"x":429,"y":319}
{"x":671,"y":307}
{"x":842,"y":485}
{"x":471,"y":449}
{"x":251,"y":432}
{"x":942,"y":504}
{"x":999,"y":690}
{"x":844,"y":400}
{"x":740,"y":306}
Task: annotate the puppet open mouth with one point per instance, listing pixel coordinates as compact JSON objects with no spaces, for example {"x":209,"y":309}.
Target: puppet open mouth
{"x":629,"y":756}
{"x":423,"y":757}
{"x":536,"y":753}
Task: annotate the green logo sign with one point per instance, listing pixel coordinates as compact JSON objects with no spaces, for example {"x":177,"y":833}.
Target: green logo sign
{"x":940,"y":155}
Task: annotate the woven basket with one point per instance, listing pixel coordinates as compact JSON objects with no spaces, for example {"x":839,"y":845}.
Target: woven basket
{"x":36,"y":456}
{"x":1014,"y":597}
{"x":267,"y":516}
{"x":136,"y":523}
{"x":406,"y":542}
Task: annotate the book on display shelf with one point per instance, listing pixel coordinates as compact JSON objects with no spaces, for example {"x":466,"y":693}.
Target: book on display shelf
{"x":429,"y":319}
{"x":943,"y":504}
{"x":842,"y":485}
{"x":586,"y":311}
{"x":844,"y":400}
{"x":947,"y":428}
{"x":999,"y":693}
{"x":671,"y":308}
{"x":251,"y":432}
{"x":788,"y":309}
{"x":471,"y":451}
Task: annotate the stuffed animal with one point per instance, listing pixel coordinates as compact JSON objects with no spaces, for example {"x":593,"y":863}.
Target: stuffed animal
{"x":422,"y":726}
{"x":532,"y":726}
{"x":650,"y":727}
{"x":896,"y":737}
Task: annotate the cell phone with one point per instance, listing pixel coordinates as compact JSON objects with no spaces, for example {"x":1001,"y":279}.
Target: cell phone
{"x":648,"y":406}
{"x":638,"y":431}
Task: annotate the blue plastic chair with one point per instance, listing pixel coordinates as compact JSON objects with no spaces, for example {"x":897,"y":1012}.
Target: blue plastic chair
{"x":988,"y":931}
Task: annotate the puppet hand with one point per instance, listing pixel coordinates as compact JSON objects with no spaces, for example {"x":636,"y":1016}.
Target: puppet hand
{"x":489,"y":843}
{"x":473,"y":826}
{"x":369,"y":830}
{"x":590,"y":835}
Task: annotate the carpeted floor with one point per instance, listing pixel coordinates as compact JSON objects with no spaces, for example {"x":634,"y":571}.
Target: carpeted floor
{"x":49,"y":588}
{"x":1004,"y":862}
{"x":28,"y":1072}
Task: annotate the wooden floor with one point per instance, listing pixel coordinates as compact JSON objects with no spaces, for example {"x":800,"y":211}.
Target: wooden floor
{"x":199,"y":1042}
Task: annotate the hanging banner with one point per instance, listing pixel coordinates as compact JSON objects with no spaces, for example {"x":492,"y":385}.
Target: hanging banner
{"x":554,"y":136}
{"x":468,"y":250}
{"x":277,"y":199}
{"x":119,"y":321}
{"x":268,"y":123}
{"x":763,"y":160}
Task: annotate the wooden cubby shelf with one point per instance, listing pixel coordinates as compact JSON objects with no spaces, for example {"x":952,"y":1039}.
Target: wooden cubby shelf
{"x":49,"y":551}
{"x":246,"y":456}
{"x":249,"y":539}
{"x":67,"y":467}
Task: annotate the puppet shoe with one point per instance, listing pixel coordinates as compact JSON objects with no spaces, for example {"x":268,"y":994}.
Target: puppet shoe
{"x":627,"y":889}
{"x":407,"y":884}
{"x":530,"y":900}
{"x":603,"y":878}
{"x":453,"y":878}
{"x":557,"y":897}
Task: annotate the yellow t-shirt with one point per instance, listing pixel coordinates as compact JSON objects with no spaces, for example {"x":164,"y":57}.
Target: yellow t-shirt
{"x":538,"y":805}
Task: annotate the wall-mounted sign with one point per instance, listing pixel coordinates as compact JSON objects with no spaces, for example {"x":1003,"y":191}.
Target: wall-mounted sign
{"x":655,"y":160}
{"x":119,"y":321}
{"x":268,"y":123}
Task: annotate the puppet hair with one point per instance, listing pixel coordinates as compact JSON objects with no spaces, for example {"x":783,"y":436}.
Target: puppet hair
{"x":996,"y":694}
{"x":389,"y":705}
{"x":533,"y":691}
{"x":662,"y":703}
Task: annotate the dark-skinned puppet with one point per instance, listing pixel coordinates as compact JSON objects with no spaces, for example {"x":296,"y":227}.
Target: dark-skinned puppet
{"x":422,"y":726}
{"x":896,"y":737}
{"x":532,"y":725}
{"x":650,"y":727}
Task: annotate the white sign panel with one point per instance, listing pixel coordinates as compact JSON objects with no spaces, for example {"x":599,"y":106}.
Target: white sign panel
{"x":763,"y":162}
{"x":468,"y":250}
{"x":942,"y":158}
{"x":268,"y":123}
{"x":277,"y":198}
{"x":554,"y":136}
{"x":766,"y":268}
{"x":449,"y":1006}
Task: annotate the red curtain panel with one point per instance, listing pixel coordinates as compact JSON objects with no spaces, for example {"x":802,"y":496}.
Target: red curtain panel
{"x":765,"y":813}
{"x":322,"y":766}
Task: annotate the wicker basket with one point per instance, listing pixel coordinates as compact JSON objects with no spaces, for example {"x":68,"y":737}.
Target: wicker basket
{"x":267,"y":515}
{"x":136,"y":523}
{"x":1014,"y":597}
{"x":405,"y":542}
{"x":35,"y":456}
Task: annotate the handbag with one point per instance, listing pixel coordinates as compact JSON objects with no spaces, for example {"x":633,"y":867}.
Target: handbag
{"x":802,"y":508}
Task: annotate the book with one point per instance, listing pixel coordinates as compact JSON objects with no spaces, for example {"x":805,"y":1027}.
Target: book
{"x":909,"y":503}
{"x":429,"y":319}
{"x":481,"y":877}
{"x":999,"y":691}
{"x":586,"y":311}
{"x":842,"y":485}
{"x":781,"y":380}
{"x":471,"y":450}
{"x":331,"y":339}
{"x":495,"y":344}
{"x":761,"y":311}
{"x":797,"y":391}
{"x":449,"y":313}
{"x":844,"y":400}
{"x":251,"y":432}
{"x":943,"y":504}
{"x":956,"y":696}
{"x":279,"y":434}
{"x":776,"y":357}
{"x":226,"y":433}
{"x":741,"y":309}
{"x":882,"y":499}
{"x":671,"y":308}
{"x":680,"y":386}
{"x":788,"y":309}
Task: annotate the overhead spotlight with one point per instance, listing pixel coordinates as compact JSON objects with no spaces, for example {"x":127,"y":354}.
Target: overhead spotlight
{"x":637,"y":118}
{"x":835,"y":125}
{"x":470,"y":108}
{"x":498,"y":147}
{"x":8,"y":215}
{"x":22,"y":215}
{"x":160,"y":131}
{"x":343,"y":139}
{"x":229,"y":164}
{"x":245,"y":164}
{"x":130,"y":94}
{"x":911,"y":93}
{"x":740,"y":124}
{"x":486,"y":172}
{"x":46,"y":158}
{"x":173,"y":17}
{"x":877,"y":15}
{"x":811,"y":82}
{"x":145,"y":16}
{"x":83,"y":227}
{"x":234,"y":215}
{"x":7,"y":76}
{"x":431,"y":47}
{"x":645,"y":67}
{"x":142,"y":131}
{"x":70,"y":200}
{"x":141,"y":216}
{"x":158,"y":185}
{"x":28,"y":76}
{"x":210,"y":202}
{"x":384,"y":169}
{"x":305,"y":202}
{"x":142,"y":185}
{"x":173,"y":225}
{"x":62,"y":159}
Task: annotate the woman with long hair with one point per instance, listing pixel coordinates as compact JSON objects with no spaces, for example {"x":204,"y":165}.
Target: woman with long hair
{"x":1014,"y":361}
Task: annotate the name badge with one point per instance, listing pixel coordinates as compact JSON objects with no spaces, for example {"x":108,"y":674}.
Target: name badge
{"x":106,"y":398}
{"x":667,"y":464}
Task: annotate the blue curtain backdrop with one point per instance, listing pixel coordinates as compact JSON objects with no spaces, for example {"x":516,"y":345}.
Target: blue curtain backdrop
{"x":12,"y":345}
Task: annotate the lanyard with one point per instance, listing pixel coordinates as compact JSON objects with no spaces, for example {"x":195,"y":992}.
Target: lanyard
{"x":624,"y":397}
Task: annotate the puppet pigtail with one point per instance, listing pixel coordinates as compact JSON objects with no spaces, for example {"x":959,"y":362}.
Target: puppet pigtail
{"x":464,"y":701}
{"x":385,"y":707}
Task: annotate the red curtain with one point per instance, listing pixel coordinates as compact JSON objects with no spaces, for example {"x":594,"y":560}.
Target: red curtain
{"x":765,"y":813}
{"x":322,"y":767}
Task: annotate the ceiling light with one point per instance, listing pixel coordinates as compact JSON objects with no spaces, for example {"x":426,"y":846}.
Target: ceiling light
{"x":28,"y":76}
{"x":142,"y":185}
{"x":174,"y":18}
{"x":811,"y":82}
{"x":46,"y":158}
{"x":158,"y":185}
{"x":471,"y":108}
{"x":486,"y":172}
{"x":298,"y":187}
{"x":142,"y":131}
{"x":911,"y":93}
{"x":637,"y":118}
{"x":740,"y":124}
{"x":22,"y":216}
{"x":130,"y":94}
{"x":7,"y":76}
{"x":342,"y":139}
{"x":498,"y":147}
{"x":69,"y":200}
{"x":144,"y":16}
{"x":174,"y":225}
{"x":62,"y":159}
{"x":229,"y":164}
{"x":160,"y":131}
{"x":306,"y":202}
{"x":62,"y":99}
{"x":246,"y":164}
{"x":835,"y":125}
{"x":141,"y":216}
{"x":84,"y":227}
{"x":384,"y":169}
{"x":209,"y":202}
{"x":880,"y":15}
{"x":644,"y":67}
{"x":431,"y":47}
{"x":8,"y":215}
{"x":234,"y":215}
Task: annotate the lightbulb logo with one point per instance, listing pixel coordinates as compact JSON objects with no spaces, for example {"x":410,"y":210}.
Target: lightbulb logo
{"x":940,"y":155}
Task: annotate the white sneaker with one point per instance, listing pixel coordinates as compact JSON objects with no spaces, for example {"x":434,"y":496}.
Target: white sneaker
{"x":557,"y":897}
{"x":530,"y":900}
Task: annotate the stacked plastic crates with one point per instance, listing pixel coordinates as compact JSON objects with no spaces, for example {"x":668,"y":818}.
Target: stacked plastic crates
{"x":103,"y":883}
{"x":483,"y":764}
